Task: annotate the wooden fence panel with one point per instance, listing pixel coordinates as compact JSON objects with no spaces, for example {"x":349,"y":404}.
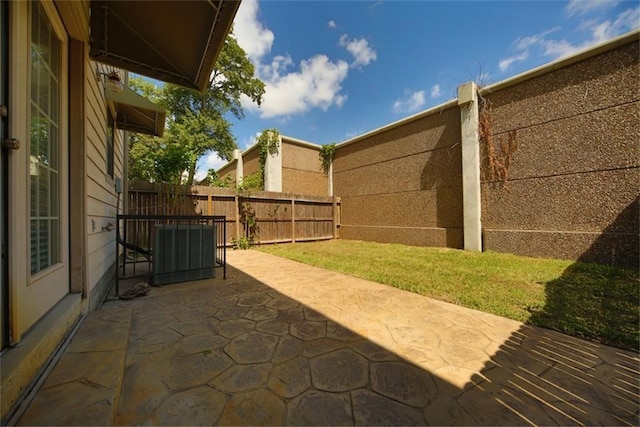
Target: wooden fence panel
{"x":280,"y":217}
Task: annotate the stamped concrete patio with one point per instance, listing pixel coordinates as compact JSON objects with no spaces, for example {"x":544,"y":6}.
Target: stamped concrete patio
{"x":282,"y":343}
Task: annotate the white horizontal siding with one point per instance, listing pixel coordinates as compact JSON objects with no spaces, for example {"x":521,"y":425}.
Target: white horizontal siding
{"x":101,"y":195}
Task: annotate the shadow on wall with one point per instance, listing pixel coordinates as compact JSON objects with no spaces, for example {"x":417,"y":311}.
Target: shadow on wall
{"x":593,"y":307}
{"x":620,"y":242}
{"x":442,"y":176}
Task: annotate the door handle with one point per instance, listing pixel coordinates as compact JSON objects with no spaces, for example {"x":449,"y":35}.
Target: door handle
{"x":11,"y":143}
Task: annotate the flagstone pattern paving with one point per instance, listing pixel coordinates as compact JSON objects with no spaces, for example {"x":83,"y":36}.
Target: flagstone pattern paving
{"x":282,"y":343}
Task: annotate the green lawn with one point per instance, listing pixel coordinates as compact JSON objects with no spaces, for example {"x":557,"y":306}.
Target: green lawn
{"x":591,"y":301}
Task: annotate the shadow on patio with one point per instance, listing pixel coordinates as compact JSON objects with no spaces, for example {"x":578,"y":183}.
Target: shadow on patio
{"x":280,"y":342}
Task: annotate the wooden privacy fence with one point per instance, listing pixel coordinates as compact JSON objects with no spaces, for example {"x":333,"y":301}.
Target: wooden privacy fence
{"x":279,"y":217}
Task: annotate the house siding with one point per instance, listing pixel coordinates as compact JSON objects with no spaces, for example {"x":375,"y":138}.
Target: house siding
{"x":101,"y":195}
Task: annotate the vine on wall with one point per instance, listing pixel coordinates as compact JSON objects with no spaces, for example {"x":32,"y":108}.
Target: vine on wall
{"x":326,"y":156}
{"x":268,"y":143}
{"x":499,"y":150}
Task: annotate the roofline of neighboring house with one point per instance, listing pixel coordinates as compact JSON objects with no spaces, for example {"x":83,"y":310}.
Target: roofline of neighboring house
{"x":228,"y":164}
{"x":242,"y":153}
{"x":289,"y":139}
{"x":527,"y":75}
{"x":300,"y":142}
{"x":421,"y":114}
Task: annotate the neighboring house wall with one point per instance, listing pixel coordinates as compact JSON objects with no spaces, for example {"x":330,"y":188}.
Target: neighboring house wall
{"x":251,"y":160}
{"x":228,"y":170}
{"x":572,"y":185}
{"x":572,"y":189}
{"x":301,"y":168}
{"x":403,"y":184}
{"x":300,"y":173}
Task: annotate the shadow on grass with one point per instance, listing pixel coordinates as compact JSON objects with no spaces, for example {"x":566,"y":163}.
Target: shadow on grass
{"x":595,"y":301}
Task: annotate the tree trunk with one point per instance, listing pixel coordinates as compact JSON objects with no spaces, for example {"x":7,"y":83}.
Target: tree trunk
{"x":192,"y":172}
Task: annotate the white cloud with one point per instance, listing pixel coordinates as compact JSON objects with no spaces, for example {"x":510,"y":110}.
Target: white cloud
{"x":249,"y":142}
{"x":332,"y":24}
{"x":350,"y":135}
{"x":626,"y":21}
{"x":411,"y":102}
{"x":317,"y":84}
{"x":362,"y":53}
{"x":436,"y":91}
{"x":376,"y":4}
{"x":504,"y":64}
{"x":252,"y":36}
{"x":291,"y":87}
{"x":582,"y":7}
{"x":598,"y":31}
{"x":206,"y":162}
{"x":561,"y":48}
{"x":523,"y":43}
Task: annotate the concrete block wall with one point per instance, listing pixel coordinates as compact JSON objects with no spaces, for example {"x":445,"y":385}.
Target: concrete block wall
{"x":574,"y":179}
{"x":295,"y":169}
{"x":251,"y":161}
{"x":301,"y":169}
{"x":228,"y":170}
{"x":403,"y":184}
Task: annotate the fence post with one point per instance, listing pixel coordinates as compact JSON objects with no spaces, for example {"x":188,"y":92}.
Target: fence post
{"x":334,"y":211}
{"x":209,"y":205}
{"x":330,"y":179}
{"x":293,"y":220}
{"x":237,"y":218}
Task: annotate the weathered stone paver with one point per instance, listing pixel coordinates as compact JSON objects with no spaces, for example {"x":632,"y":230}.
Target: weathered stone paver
{"x":282,"y":343}
{"x":341,"y":370}
{"x":321,"y":408}
{"x":291,"y":378}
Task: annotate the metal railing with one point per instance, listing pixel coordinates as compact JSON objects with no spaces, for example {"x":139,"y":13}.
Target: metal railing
{"x":170,"y":248}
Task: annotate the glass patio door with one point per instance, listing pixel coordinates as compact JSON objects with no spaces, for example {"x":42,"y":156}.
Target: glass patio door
{"x":35,"y":204}
{"x":4,"y":102}
{"x":48,"y":158}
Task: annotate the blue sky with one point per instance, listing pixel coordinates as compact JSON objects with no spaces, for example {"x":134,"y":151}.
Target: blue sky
{"x":337,"y":69}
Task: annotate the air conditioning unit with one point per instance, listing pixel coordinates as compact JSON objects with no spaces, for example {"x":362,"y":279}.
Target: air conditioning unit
{"x":183,"y":252}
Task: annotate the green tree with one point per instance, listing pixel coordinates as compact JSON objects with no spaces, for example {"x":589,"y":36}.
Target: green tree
{"x":197,"y":122}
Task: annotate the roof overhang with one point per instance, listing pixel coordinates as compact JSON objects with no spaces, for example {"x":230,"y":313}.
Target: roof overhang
{"x":172,"y":41}
{"x":136,"y":113}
